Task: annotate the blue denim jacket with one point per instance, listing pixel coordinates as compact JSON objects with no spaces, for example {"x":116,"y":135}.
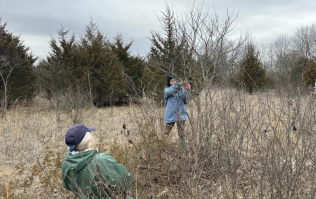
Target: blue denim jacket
{"x":175,"y":107}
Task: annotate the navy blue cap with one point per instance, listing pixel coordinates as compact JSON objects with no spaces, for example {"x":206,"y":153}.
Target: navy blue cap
{"x":76,"y":133}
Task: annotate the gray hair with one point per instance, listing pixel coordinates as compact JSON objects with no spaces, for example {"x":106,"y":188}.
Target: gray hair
{"x":86,"y":142}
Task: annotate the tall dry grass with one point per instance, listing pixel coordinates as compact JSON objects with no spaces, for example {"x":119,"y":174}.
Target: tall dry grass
{"x":237,"y":146}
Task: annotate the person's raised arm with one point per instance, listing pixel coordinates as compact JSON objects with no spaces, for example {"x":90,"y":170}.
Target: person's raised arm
{"x":171,"y":90}
{"x":185,"y":94}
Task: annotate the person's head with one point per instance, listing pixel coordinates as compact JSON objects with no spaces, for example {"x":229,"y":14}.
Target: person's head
{"x":171,"y":79}
{"x":79,"y":138}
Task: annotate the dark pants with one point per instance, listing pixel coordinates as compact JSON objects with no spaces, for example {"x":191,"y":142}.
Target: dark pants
{"x":180,"y":126}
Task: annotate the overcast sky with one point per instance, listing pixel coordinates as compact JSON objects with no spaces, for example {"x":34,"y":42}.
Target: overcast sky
{"x":36,"y":20}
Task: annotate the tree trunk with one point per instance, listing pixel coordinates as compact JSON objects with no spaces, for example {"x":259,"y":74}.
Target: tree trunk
{"x":5,"y":101}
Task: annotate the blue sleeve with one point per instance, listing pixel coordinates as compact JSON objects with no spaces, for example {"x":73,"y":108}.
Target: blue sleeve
{"x":185,"y":95}
{"x":171,"y":90}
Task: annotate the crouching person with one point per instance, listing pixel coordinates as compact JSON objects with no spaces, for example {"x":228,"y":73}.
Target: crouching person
{"x":90,"y":174}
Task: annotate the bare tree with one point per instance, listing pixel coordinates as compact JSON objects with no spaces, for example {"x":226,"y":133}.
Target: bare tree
{"x":283,"y":59}
{"x":52,"y":77}
{"x":304,"y":42}
{"x":215,"y":50}
{"x":7,"y":66}
{"x":77,"y":101}
{"x":211,"y":41}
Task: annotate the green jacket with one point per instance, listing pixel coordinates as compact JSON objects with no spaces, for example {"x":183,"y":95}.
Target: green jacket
{"x":90,"y":174}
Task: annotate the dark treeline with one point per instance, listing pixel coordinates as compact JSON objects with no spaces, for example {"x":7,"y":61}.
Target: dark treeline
{"x":198,"y":47}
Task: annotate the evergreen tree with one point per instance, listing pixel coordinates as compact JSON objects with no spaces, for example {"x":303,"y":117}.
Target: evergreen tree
{"x":133,"y":65}
{"x":53,"y":72}
{"x":168,"y":54}
{"x":251,"y":75}
{"x":88,"y":63}
{"x":310,"y":73}
{"x":297,"y":72}
{"x":97,"y":65}
{"x":16,"y":68}
{"x":163,"y":49}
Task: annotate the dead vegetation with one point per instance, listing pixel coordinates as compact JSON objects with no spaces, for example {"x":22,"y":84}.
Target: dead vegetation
{"x":237,"y":146}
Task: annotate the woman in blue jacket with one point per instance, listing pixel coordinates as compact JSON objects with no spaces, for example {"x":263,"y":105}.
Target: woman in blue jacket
{"x":176,"y":97}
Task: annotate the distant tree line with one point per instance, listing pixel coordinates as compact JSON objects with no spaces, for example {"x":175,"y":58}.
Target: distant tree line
{"x":198,"y":47}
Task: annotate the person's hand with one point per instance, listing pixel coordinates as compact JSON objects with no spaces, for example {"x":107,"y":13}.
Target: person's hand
{"x":188,"y":85}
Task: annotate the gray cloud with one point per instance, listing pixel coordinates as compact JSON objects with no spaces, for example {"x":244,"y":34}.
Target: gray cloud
{"x":36,"y":20}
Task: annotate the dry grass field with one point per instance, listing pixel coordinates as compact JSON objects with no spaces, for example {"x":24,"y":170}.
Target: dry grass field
{"x":237,"y":146}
